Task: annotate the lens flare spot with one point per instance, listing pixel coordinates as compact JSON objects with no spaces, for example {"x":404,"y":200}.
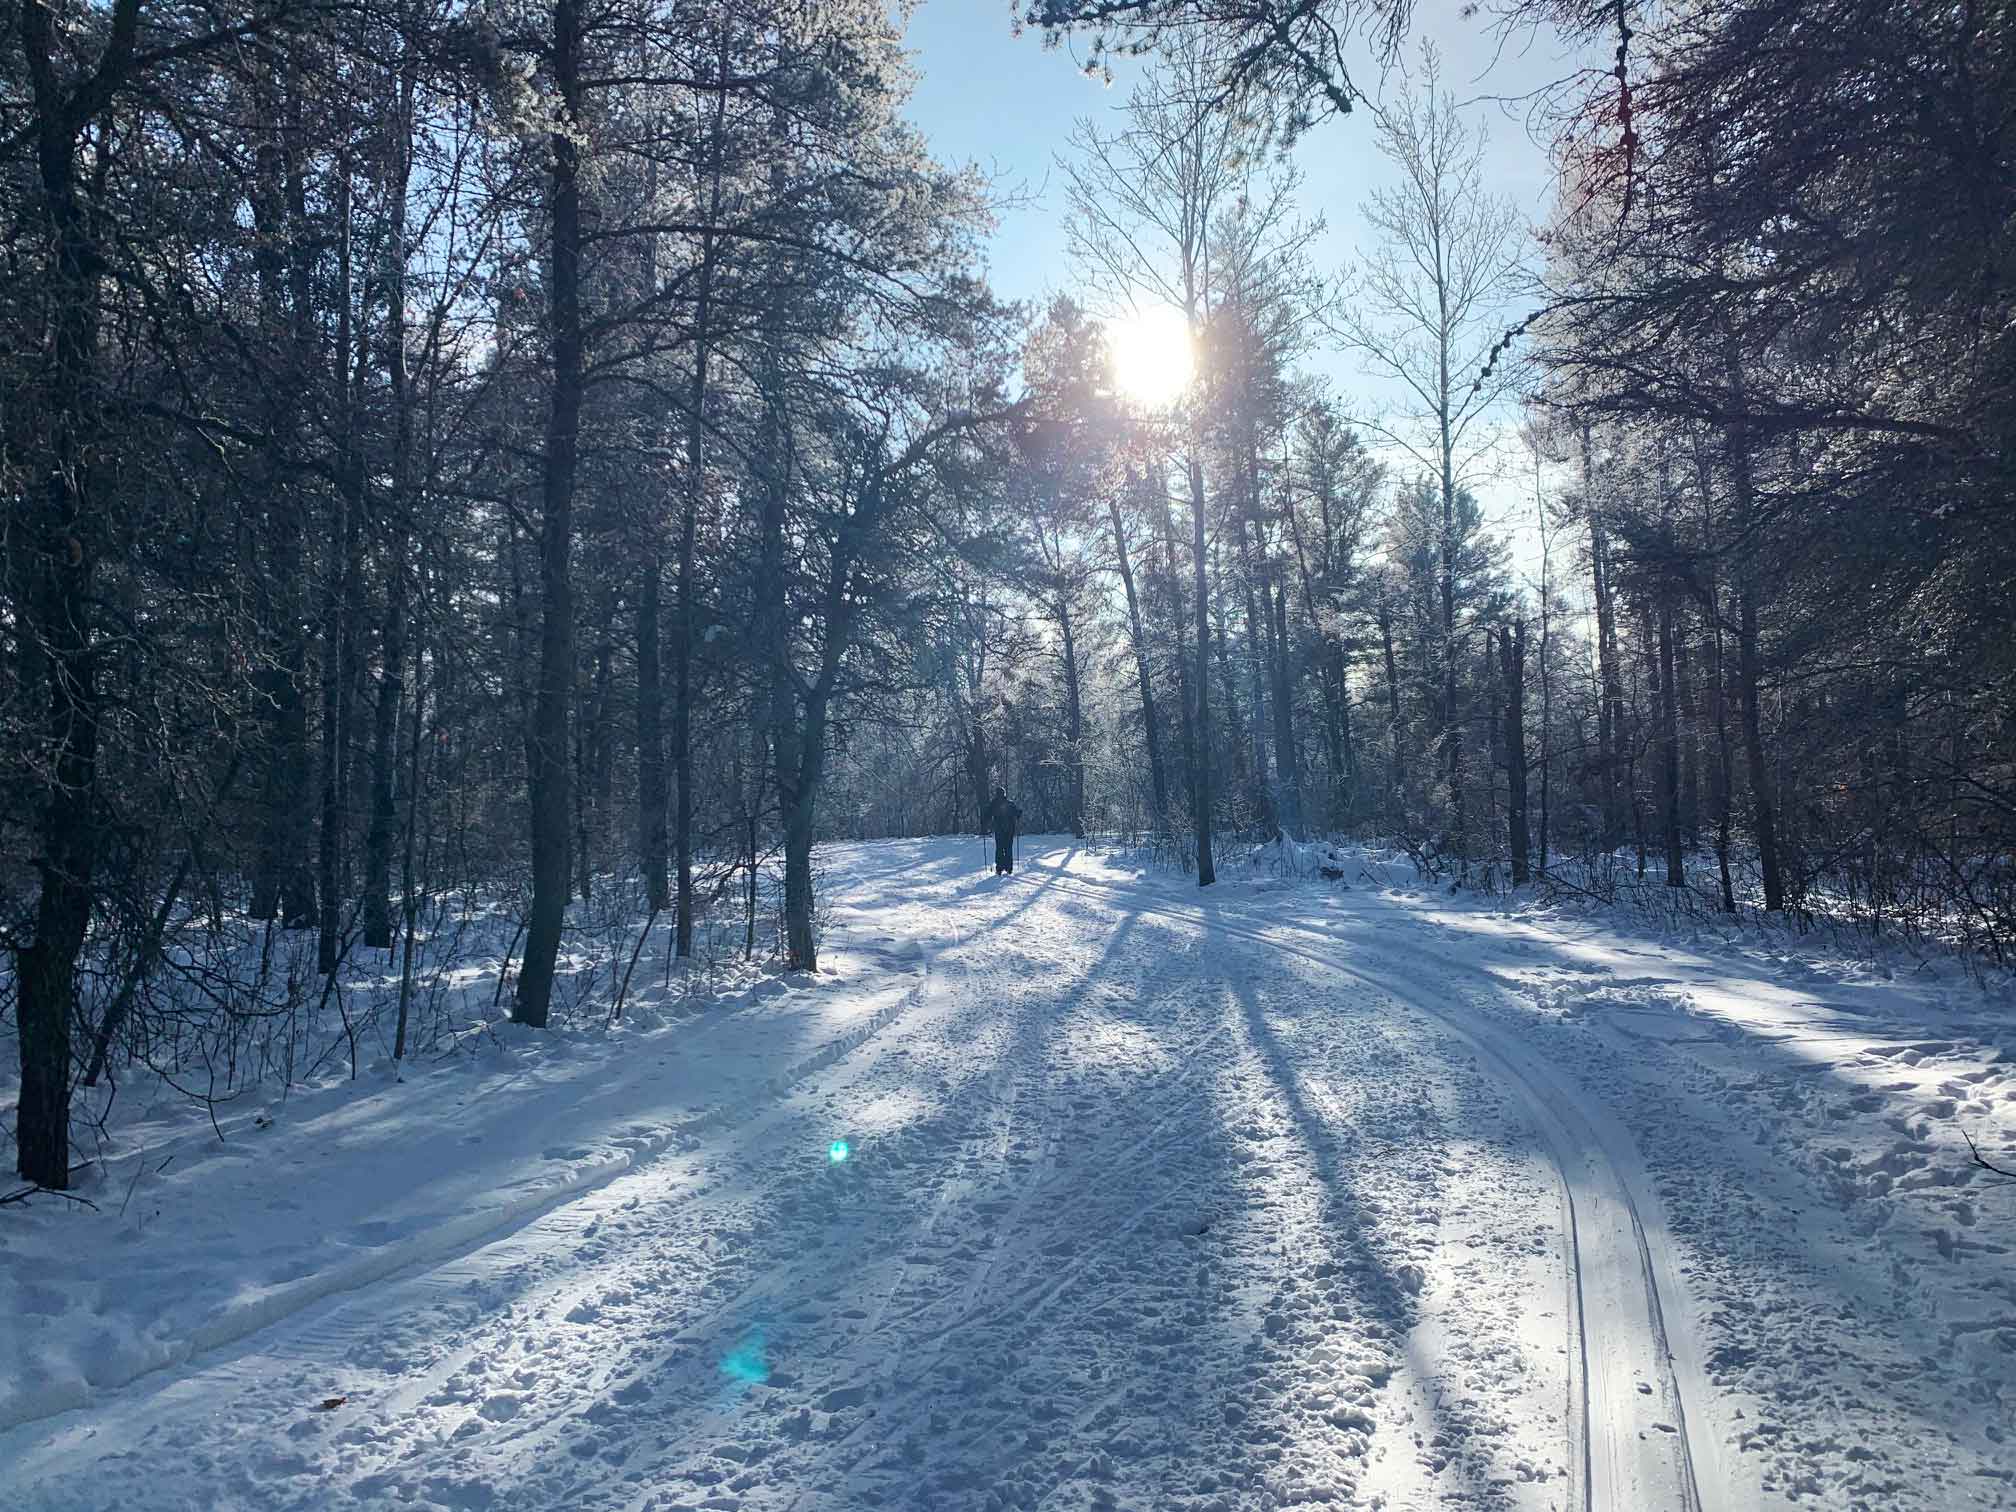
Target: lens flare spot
{"x":838,"y":1151}
{"x":748,"y":1363}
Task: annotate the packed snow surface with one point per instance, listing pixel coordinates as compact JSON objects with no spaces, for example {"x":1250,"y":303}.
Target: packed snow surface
{"x":1080,"y":1188}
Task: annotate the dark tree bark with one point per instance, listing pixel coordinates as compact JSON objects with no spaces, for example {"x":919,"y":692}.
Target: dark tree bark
{"x":338,"y":608}
{"x":1237,"y":773}
{"x":1287,"y":761}
{"x":1610,"y":696}
{"x":1749,"y":667}
{"x":284,"y":877}
{"x":1257,"y":660}
{"x":1512,"y":664}
{"x":1074,"y":715}
{"x":377,"y":910}
{"x":1452,"y":724}
{"x":1180,"y":620}
{"x":1138,"y":642}
{"x":1749,"y":675}
{"x":691,"y":496}
{"x":652,"y":793}
{"x":1690,"y":731}
{"x":598,"y":749}
{"x":62,"y":542}
{"x":1207,"y":871}
{"x":547,"y":738}
{"x":392,"y":636}
{"x":1669,"y":734}
{"x":1396,"y":775}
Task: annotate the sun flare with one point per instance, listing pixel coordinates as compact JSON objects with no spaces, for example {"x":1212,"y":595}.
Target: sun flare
{"x":1151,"y":356}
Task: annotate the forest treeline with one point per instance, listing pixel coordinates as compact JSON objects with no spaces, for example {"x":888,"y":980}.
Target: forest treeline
{"x":547,"y":452}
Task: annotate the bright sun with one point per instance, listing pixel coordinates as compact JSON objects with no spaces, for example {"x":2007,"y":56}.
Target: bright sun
{"x":1150,"y":353}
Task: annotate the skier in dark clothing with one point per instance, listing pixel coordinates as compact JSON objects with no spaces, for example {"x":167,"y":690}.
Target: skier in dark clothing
{"x":1003,"y":816}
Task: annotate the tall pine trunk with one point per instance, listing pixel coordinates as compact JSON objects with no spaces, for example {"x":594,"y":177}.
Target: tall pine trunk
{"x":652,"y":793}
{"x":392,"y":637}
{"x":1074,"y":716}
{"x":1669,"y":721}
{"x":1138,"y":642}
{"x":284,"y":878}
{"x":547,"y":738}
{"x":1512,"y":664}
{"x":62,"y":542}
{"x":1207,"y":871}
{"x":384,"y":744}
{"x":339,"y":595}
{"x":1749,"y":668}
{"x":1610,"y":693}
{"x":1287,"y":761}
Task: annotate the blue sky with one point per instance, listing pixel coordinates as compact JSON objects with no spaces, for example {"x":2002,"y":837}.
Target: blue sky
{"x":1007,"y":103}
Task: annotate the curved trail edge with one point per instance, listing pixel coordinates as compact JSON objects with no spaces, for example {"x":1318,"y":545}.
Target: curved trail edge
{"x":1631,"y":1440}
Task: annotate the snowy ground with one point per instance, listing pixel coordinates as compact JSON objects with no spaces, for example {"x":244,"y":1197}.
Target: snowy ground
{"x":1286,"y":1192}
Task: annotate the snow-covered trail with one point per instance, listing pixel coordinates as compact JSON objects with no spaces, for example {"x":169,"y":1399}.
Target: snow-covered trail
{"x":1627,"y":1406}
{"x":1151,"y":1199}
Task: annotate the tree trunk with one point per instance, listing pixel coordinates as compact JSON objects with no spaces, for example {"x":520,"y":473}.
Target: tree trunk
{"x":1207,"y":871}
{"x":1186,"y":709}
{"x":1287,"y":761}
{"x":1546,"y":725}
{"x":598,"y":770}
{"x":409,"y":877}
{"x":691,"y":497}
{"x":1396,"y":775}
{"x":682,"y":681}
{"x":546,"y":748}
{"x":1610,"y":697}
{"x":392,"y":639}
{"x":1138,"y":641}
{"x":384,"y":744}
{"x":652,"y":794}
{"x":338,"y":647}
{"x":284,"y":879}
{"x":1512,"y":663}
{"x":1749,"y":677}
{"x":55,"y":614}
{"x":1256,"y":660}
{"x":977,"y":773}
{"x":1452,"y":730}
{"x":1332,"y":680}
{"x":1235,"y":728}
{"x":1074,"y":718}
{"x":1690,"y":726}
{"x":1487,"y":677}
{"x":1669,"y":775}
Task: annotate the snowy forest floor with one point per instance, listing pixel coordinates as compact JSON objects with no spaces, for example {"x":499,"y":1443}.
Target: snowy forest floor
{"x":1290,"y":1191}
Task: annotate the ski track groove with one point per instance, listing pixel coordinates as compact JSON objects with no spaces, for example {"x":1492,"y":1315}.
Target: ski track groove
{"x":452,"y":1261}
{"x":516,"y":1255}
{"x":1033,"y":1185}
{"x":1612,"y":1488}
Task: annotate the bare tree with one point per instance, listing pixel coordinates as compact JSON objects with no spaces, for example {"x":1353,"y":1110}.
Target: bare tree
{"x":1144,"y":203}
{"x":1424,"y":313}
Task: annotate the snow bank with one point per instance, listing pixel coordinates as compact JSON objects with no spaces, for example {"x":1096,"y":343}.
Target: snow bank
{"x":203,"y":1234}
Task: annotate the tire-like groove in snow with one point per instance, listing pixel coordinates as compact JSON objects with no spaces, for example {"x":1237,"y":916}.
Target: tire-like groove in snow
{"x":1631,"y":1435}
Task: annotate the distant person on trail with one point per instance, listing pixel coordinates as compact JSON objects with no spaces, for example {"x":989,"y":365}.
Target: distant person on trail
{"x":1003,"y":816}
